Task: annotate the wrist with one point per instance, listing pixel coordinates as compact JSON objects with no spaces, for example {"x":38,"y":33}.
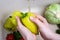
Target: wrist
{"x":55,"y":36}
{"x":47,"y":34}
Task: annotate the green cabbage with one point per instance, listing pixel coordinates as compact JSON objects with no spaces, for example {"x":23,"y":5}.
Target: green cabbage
{"x":52,"y":13}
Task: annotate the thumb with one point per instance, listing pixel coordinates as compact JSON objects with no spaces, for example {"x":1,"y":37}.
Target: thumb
{"x":22,"y":29}
{"x":18,"y":21}
{"x":20,"y":26}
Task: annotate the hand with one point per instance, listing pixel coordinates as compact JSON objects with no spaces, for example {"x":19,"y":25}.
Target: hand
{"x":27,"y":35}
{"x":44,"y":29}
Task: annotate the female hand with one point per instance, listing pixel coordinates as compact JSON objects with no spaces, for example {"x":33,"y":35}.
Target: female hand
{"x":44,"y":29}
{"x":26,"y":34}
{"x":43,"y":26}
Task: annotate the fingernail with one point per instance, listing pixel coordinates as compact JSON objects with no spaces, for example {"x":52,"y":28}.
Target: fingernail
{"x":31,"y":17}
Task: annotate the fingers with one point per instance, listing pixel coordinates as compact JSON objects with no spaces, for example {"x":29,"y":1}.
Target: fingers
{"x":23,"y":30}
{"x":37,"y":21}
{"x":20,"y":26}
{"x":41,"y":18}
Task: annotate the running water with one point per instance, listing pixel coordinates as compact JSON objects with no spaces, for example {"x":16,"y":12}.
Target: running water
{"x":29,"y":8}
